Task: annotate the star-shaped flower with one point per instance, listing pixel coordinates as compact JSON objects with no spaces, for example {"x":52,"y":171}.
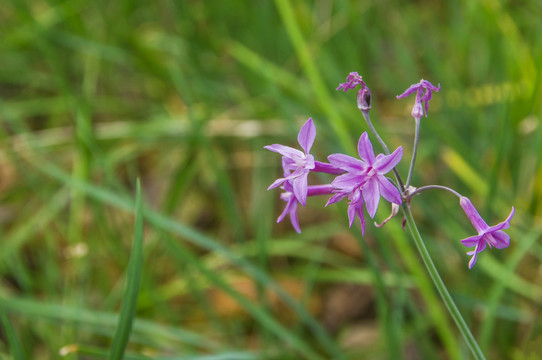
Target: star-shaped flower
{"x":423,"y":91}
{"x":364,"y":181}
{"x":295,"y":163}
{"x":487,"y":235}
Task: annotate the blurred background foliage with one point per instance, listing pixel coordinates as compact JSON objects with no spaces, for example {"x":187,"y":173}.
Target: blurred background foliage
{"x":184,"y":95}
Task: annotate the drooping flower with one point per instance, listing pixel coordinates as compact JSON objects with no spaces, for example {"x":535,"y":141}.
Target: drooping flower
{"x":364,"y":181}
{"x":295,"y":163}
{"x":423,"y":91}
{"x":487,"y":235}
{"x":364,"y":94}
{"x":292,"y":201}
{"x":352,"y":80}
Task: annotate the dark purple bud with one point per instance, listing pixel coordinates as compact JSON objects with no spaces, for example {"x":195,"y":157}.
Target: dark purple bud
{"x":364,"y":99}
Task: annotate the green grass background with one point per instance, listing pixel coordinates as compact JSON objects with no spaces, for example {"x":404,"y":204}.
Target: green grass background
{"x":184,"y":95}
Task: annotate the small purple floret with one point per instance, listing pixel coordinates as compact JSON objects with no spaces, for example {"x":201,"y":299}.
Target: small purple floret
{"x":487,"y":235}
{"x":423,"y":91}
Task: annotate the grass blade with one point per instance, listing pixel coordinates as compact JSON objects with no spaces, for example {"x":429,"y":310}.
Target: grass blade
{"x":127,"y":314}
{"x":15,"y":347}
{"x":37,"y":310}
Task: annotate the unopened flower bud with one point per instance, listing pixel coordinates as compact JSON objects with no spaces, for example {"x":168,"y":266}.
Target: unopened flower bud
{"x":417,"y":110}
{"x":364,"y":99}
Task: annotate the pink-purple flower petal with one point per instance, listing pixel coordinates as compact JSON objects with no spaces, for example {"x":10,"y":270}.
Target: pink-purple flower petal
{"x":306,"y":135}
{"x":371,"y":195}
{"x":294,"y":220}
{"x":505,"y":224}
{"x":385,"y":163}
{"x":276,"y":183}
{"x":348,"y":181}
{"x":426,"y":84}
{"x":285,"y":151}
{"x":365,"y":149}
{"x":352,"y":80}
{"x":336,"y":198}
{"x":471,"y":241}
{"x":473,"y":215}
{"x":300,"y":188}
{"x":499,"y":239}
{"x":347,"y":163}
{"x":388,"y":190}
{"x":351,"y":214}
{"x":411,"y":89}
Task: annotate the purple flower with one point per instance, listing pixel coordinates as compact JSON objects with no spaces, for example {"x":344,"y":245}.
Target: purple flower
{"x":364,"y":94}
{"x":423,"y":91}
{"x":291,"y":201}
{"x":296,"y":164}
{"x":364,"y":181}
{"x":487,"y":235}
{"x":352,"y":80}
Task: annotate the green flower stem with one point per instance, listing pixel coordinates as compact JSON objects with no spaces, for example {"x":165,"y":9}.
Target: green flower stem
{"x":443,"y":291}
{"x":375,"y":133}
{"x":414,"y":152}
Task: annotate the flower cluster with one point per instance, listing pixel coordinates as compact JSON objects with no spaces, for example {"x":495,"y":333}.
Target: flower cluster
{"x":363,"y":181}
{"x":358,"y":179}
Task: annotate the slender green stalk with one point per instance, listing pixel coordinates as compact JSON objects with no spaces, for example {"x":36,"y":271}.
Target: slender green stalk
{"x":367,"y":118}
{"x":414,"y":152}
{"x":443,"y":291}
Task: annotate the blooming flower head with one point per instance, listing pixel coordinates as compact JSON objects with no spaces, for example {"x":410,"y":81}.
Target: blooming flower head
{"x":295,"y":163}
{"x":487,"y":235}
{"x":423,"y":91}
{"x":364,"y":181}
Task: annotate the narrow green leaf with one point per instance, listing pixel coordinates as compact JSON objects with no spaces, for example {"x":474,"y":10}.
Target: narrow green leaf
{"x":15,"y":347}
{"x":127,"y":314}
{"x":33,"y":309}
